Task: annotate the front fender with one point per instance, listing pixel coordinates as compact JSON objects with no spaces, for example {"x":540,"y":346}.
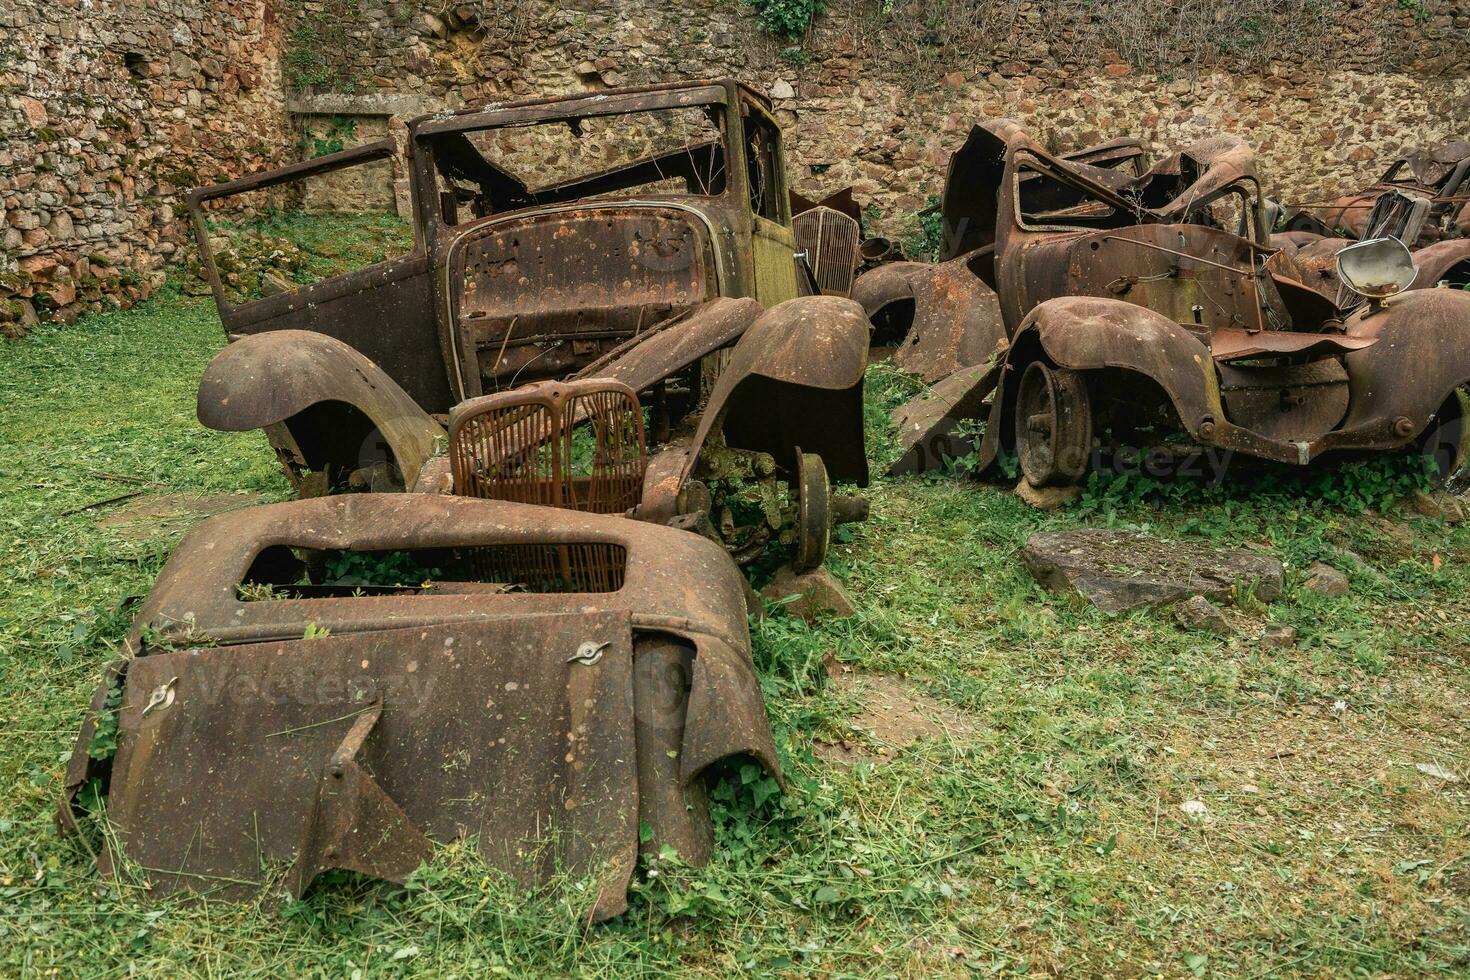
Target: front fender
{"x":955,"y":320}
{"x":795,"y":379}
{"x":1422,"y":355}
{"x":299,"y":379}
{"x":1085,"y":333}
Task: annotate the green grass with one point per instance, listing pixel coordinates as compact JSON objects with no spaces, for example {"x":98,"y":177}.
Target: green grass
{"x":298,"y":246}
{"x":1050,"y":840}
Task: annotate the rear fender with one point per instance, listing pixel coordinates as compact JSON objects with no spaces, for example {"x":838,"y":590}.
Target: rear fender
{"x":322,"y":403}
{"x":952,"y":317}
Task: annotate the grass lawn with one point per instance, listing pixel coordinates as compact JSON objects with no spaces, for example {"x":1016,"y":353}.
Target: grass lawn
{"x":1036,"y":827}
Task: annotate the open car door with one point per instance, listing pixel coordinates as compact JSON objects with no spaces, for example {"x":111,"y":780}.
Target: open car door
{"x":384,"y":309}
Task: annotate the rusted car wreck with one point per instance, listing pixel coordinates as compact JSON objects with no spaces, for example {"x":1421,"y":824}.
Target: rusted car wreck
{"x":548,"y":682}
{"x":559,"y":423}
{"x":652,"y":274}
{"x":1149,"y":315}
{"x":1422,"y":199}
{"x":1438,"y":174}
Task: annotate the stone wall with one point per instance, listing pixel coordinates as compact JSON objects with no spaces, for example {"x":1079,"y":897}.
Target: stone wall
{"x":109,"y":111}
{"x":879,"y":92}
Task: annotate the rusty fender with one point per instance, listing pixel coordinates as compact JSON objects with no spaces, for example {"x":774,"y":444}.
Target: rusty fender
{"x":299,"y":379}
{"x":664,"y":351}
{"x":550,"y":724}
{"x":1422,"y":355}
{"x":795,"y":380}
{"x":1087,"y":333}
{"x":948,"y":316}
{"x":1442,"y":261}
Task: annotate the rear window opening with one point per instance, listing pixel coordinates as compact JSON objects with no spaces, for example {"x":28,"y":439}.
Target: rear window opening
{"x":281,"y":572}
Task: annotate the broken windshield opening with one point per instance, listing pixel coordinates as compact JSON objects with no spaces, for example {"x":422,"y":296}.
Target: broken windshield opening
{"x":1046,"y":201}
{"x":657,"y":151}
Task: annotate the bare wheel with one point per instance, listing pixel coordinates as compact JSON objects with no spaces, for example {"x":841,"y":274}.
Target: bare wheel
{"x":1053,"y":425}
{"x":814,"y":510}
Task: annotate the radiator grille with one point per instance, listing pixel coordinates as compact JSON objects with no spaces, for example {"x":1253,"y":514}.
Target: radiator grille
{"x":830,"y":240}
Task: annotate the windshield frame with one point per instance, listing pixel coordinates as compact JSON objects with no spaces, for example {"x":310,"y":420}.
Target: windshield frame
{"x":427,"y":133}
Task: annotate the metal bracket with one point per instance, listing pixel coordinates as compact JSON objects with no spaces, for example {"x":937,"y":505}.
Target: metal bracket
{"x":353,"y":825}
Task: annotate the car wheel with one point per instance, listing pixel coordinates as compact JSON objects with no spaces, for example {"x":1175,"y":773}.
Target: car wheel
{"x":814,"y":511}
{"x":1053,"y":425}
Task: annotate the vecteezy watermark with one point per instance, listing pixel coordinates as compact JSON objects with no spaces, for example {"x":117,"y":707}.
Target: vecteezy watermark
{"x":954,"y":445}
{"x":1205,"y":464}
{"x":407,"y":690}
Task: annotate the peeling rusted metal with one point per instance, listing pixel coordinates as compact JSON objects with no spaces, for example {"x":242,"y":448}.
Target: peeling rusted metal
{"x":330,"y":410}
{"x":313,"y":729}
{"x":1439,"y":173}
{"x":795,"y":380}
{"x":941,"y":317}
{"x":1164,"y":304}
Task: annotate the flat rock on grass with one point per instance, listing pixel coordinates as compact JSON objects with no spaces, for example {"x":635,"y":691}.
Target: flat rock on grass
{"x":142,"y":516}
{"x":896,"y":713}
{"x":1122,"y":570}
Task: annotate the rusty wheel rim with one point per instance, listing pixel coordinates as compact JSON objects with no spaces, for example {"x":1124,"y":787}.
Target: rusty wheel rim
{"x":814,"y":511}
{"x":1053,"y":425}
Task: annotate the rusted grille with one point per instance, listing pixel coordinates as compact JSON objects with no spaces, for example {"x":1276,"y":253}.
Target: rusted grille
{"x":578,"y":445}
{"x":590,"y":567}
{"x":830,"y":240}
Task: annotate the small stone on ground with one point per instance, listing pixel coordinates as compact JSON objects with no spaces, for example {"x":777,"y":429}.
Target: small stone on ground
{"x":1438,"y":505}
{"x":1322,"y":577}
{"x":818,"y":594}
{"x":1278,"y":637}
{"x":1202,"y":616}
{"x":1047,"y":498}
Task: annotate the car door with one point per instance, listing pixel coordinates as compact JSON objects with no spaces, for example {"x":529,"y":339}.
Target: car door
{"x":384,"y":308}
{"x":773,"y":247}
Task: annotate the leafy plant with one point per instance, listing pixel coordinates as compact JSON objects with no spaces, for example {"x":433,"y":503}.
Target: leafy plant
{"x":339,"y":133}
{"x":924,"y":238}
{"x":376,"y":568}
{"x":1417,"y":8}
{"x":787,"y":19}
{"x":103,"y":744}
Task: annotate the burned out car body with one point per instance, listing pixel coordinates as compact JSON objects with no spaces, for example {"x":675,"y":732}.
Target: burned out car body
{"x":560,"y":691}
{"x":941,"y":318}
{"x":1438,"y":174}
{"x":1136,"y":308}
{"x":651,"y":273}
{"x":510,"y":282}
